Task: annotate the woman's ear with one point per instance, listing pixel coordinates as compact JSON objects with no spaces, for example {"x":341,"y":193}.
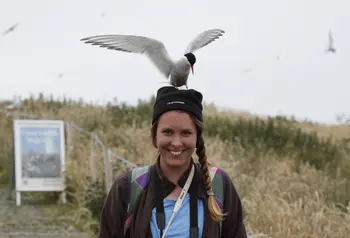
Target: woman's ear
{"x":154,"y":142}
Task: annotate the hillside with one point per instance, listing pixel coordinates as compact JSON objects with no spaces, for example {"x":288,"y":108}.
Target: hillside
{"x":293,"y":177}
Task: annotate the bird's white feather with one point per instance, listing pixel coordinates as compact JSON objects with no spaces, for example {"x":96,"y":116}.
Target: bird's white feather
{"x":203,"y":39}
{"x":152,"y":48}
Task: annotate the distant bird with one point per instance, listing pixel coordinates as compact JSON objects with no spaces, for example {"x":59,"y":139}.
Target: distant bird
{"x":157,"y":53}
{"x":11,"y":29}
{"x":330,"y":43}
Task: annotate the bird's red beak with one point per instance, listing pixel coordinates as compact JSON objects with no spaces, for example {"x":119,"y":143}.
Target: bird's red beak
{"x":192,"y":69}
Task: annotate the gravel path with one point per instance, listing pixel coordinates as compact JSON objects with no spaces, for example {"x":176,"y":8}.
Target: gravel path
{"x":34,"y":220}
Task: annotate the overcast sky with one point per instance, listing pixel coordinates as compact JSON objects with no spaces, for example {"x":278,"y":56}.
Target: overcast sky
{"x":241,"y":70}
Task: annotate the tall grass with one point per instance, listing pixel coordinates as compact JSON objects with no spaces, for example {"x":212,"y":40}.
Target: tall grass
{"x":293,"y":177}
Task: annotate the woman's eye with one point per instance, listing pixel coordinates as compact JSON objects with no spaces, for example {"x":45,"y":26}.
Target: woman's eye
{"x":167,"y":132}
{"x":186,"y":133}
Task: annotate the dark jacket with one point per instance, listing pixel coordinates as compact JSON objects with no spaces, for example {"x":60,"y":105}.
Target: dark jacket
{"x":114,"y":209}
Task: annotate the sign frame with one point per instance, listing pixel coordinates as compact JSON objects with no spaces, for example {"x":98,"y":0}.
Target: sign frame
{"x":38,"y":184}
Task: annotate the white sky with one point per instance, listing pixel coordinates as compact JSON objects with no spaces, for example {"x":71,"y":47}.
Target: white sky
{"x":305,"y":81}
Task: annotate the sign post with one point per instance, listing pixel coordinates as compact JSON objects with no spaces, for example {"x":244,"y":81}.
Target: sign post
{"x":39,"y":156}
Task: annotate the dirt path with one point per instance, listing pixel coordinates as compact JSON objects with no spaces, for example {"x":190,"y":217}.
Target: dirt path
{"x":34,"y":220}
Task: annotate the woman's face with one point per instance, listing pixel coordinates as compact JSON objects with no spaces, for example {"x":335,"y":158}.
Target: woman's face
{"x":176,"y":139}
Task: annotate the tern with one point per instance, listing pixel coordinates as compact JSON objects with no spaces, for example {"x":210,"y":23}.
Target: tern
{"x":155,"y":50}
{"x":10,"y":29}
{"x":330,"y":43}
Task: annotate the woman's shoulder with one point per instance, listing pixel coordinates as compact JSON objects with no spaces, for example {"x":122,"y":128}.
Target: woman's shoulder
{"x":126,"y":177}
{"x":228,"y":183}
{"x":122,"y":180}
{"x":219,"y":171}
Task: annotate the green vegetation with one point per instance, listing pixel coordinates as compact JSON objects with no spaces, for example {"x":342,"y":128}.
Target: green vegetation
{"x":279,"y":160}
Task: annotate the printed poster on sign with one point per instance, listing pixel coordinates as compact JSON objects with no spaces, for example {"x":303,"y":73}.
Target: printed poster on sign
{"x":39,"y":155}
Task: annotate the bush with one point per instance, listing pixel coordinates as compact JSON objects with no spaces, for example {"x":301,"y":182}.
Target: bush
{"x":283,"y":137}
{"x":95,"y":197}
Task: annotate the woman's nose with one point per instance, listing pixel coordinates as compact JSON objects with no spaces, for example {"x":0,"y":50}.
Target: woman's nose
{"x":176,"y":141}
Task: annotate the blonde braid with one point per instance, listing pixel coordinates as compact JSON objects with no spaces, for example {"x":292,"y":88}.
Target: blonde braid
{"x":214,"y":209}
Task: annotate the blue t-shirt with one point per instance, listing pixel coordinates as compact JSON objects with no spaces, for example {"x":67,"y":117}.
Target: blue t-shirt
{"x":180,"y":226}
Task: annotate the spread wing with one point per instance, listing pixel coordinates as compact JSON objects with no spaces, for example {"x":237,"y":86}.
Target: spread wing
{"x":204,"y":39}
{"x":152,"y":48}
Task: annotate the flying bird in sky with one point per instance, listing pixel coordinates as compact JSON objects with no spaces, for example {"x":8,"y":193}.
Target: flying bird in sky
{"x":330,"y":43}
{"x":11,"y":29}
{"x":155,"y":50}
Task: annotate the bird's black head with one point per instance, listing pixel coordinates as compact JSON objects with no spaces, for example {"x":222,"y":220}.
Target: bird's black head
{"x":191,"y":58}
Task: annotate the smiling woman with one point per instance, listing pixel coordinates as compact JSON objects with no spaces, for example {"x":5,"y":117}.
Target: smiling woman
{"x":180,"y":197}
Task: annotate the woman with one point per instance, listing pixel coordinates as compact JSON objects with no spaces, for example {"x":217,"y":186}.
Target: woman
{"x":177,"y":134}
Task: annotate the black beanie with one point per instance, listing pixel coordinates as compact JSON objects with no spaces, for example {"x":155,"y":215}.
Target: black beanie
{"x":170,"y":98}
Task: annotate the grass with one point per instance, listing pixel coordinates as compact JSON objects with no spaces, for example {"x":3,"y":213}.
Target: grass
{"x":293,"y":176}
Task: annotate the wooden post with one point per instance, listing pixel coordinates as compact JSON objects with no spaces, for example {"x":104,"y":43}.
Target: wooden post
{"x":110,"y":170}
{"x":107,"y":169}
{"x":11,"y":168}
{"x":69,"y":141}
{"x":93,"y":157}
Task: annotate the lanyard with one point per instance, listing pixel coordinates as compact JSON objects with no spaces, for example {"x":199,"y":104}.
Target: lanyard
{"x":160,"y":209}
{"x":180,"y":199}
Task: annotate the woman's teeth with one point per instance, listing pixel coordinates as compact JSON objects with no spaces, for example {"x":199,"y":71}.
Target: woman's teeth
{"x":175,"y":152}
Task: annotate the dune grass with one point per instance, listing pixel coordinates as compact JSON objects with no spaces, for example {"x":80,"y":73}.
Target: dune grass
{"x":293,"y":177}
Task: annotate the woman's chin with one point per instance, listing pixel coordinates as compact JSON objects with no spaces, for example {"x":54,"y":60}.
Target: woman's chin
{"x":175,"y":161}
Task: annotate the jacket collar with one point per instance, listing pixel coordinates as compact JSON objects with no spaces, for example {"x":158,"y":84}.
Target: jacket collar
{"x":167,"y":186}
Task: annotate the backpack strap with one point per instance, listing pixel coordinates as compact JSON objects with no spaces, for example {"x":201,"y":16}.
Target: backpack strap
{"x":138,"y":181}
{"x":218,"y":186}
{"x":217,"y":182}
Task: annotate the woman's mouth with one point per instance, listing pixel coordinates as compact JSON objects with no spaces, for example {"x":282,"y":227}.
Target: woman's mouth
{"x":175,"y":152}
